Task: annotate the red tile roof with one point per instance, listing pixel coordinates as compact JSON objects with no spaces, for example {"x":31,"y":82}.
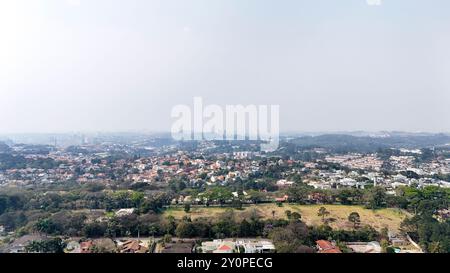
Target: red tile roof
{"x":86,"y":246}
{"x":224,"y":247}
{"x":333,"y":250}
{"x":324,"y":245}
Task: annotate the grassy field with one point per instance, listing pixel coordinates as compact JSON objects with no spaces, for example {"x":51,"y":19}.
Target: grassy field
{"x":390,"y":218}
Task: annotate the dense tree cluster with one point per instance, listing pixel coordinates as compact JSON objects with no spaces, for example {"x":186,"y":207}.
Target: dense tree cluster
{"x":424,"y":227}
{"x":72,"y":212}
{"x":54,"y":245}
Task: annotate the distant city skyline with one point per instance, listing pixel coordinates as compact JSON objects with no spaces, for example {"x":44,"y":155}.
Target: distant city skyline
{"x":120,"y":66}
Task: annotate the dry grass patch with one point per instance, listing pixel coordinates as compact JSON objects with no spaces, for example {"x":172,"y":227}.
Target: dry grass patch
{"x":390,"y":218}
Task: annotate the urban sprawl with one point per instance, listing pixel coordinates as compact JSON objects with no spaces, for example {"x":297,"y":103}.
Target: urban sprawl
{"x":149,"y":194}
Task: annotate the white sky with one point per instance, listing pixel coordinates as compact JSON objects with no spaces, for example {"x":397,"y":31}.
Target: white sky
{"x":112,"y":65}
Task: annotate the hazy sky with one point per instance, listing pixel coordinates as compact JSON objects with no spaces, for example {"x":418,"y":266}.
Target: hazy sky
{"x":117,"y":65}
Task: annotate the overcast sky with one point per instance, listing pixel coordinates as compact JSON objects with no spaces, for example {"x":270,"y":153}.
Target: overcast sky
{"x":118,"y":65}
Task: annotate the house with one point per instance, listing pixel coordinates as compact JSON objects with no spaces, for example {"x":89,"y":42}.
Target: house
{"x":331,"y":251}
{"x":224,"y":249}
{"x":218,"y":246}
{"x":209,"y":247}
{"x":363,"y":247}
{"x":324,"y":246}
{"x":238,"y":245}
{"x":85,"y":247}
{"x":255,"y":246}
{"x":124,"y":212}
{"x":284,"y":183}
{"x":442,"y":215}
{"x":282,"y":199}
{"x":397,"y":240}
{"x":132,"y":246}
{"x":73,"y":247}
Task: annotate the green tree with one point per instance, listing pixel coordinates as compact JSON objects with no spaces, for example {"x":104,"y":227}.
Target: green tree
{"x":256,"y":196}
{"x":170,"y":225}
{"x":291,"y":239}
{"x":3,"y":204}
{"x":137,"y":198}
{"x":45,"y":226}
{"x":187,"y":207}
{"x":323,"y":212}
{"x":219,"y":195}
{"x":245,"y":228}
{"x":295,"y":216}
{"x":185,"y":229}
{"x":376,"y":198}
{"x":95,"y":229}
{"x":288,"y":214}
{"x":355,"y":219}
{"x":55,"y":245}
{"x":384,"y":245}
{"x":299,"y":193}
{"x":237,"y":204}
{"x":167,"y":238}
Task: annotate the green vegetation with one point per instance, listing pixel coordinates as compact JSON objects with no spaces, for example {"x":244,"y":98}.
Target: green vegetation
{"x":424,"y":227}
{"x":89,"y":211}
{"x":355,"y":219}
{"x":55,"y":245}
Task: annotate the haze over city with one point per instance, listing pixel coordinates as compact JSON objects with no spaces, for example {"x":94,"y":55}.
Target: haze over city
{"x":122,"y":65}
{"x":262,"y":128}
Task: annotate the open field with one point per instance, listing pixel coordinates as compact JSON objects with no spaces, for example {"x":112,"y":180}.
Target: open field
{"x":390,"y":218}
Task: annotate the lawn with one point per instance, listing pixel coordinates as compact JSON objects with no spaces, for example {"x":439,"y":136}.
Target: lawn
{"x":390,"y":218}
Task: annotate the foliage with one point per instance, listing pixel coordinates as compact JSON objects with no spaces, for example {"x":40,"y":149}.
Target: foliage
{"x":55,"y":245}
{"x":355,"y":219}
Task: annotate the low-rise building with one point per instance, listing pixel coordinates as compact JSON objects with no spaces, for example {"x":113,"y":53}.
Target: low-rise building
{"x":132,"y":246}
{"x":324,"y":246}
{"x":237,"y":246}
{"x":364,"y":247}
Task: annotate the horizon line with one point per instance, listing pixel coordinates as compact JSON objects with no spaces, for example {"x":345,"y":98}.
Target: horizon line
{"x":168,"y":132}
